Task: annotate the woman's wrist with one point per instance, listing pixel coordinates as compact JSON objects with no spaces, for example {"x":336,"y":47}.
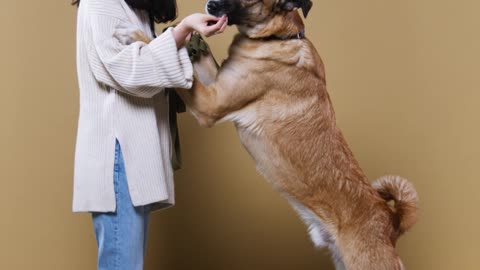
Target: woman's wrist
{"x":181,"y":32}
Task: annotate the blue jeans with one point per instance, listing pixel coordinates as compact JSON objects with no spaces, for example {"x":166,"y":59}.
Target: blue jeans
{"x":122,"y":235}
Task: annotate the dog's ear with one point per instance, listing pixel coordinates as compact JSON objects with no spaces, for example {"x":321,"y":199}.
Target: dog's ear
{"x":290,"y":5}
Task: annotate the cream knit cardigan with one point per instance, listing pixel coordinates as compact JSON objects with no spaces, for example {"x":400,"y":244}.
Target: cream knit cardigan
{"x":122,"y":96}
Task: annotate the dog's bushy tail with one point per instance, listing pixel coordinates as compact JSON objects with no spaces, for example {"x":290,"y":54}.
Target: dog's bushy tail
{"x":404,"y":196}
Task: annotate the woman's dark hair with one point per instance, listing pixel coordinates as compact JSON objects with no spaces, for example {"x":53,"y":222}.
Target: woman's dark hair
{"x":160,"y":11}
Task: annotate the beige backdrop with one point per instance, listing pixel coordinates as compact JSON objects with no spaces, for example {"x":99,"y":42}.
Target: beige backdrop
{"x":404,"y":80}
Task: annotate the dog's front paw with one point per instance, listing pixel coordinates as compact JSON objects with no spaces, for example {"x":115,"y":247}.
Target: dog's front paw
{"x":128,"y":34}
{"x":197,"y":47}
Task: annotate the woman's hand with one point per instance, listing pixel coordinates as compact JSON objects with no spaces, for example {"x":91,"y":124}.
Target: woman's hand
{"x":200,"y":23}
{"x":206,"y":25}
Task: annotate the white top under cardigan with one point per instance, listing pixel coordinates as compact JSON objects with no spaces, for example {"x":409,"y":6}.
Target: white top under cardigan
{"x":122,"y":96}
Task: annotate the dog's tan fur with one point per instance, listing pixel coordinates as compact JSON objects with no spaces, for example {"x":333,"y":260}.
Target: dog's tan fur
{"x":275,"y":93}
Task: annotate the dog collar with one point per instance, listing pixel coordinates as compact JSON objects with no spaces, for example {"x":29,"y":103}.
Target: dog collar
{"x":299,"y":35}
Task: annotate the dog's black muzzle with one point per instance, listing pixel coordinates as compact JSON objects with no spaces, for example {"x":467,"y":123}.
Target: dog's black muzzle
{"x":219,"y":8}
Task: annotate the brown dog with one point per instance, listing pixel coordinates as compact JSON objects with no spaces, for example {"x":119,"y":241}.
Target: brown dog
{"x":272,"y":86}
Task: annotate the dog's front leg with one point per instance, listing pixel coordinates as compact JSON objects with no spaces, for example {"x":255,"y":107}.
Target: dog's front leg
{"x":206,"y":69}
{"x":234,"y":87}
{"x":202,"y":102}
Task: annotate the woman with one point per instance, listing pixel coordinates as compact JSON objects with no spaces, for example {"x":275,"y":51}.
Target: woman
{"x":123,"y":128}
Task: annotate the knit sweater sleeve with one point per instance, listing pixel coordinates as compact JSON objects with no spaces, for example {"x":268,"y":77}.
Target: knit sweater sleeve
{"x":138,"y":69}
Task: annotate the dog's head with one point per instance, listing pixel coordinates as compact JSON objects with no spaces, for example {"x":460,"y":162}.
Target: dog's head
{"x":250,"y":13}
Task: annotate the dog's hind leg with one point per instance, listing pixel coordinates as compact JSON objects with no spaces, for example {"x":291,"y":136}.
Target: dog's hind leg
{"x":316,"y":228}
{"x":337,"y":257}
{"x":372,"y":257}
{"x":339,"y":265}
{"x":318,"y":231}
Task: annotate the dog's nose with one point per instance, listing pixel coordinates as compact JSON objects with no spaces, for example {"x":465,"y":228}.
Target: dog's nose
{"x":212,"y":7}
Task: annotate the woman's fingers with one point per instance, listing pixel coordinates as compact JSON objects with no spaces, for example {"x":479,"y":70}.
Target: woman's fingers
{"x":211,"y":18}
{"x":218,"y":27}
{"x":206,"y":25}
{"x":223,"y":27}
{"x":222,"y":20}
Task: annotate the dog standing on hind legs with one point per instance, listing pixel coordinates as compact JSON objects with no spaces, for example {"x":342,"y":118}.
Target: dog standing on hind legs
{"x":272,"y":86}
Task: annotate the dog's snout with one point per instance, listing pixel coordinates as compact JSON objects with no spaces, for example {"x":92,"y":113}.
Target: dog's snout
{"x":213,"y":7}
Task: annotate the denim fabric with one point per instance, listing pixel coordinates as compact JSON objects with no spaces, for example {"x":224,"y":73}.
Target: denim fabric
{"x":122,"y":235}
